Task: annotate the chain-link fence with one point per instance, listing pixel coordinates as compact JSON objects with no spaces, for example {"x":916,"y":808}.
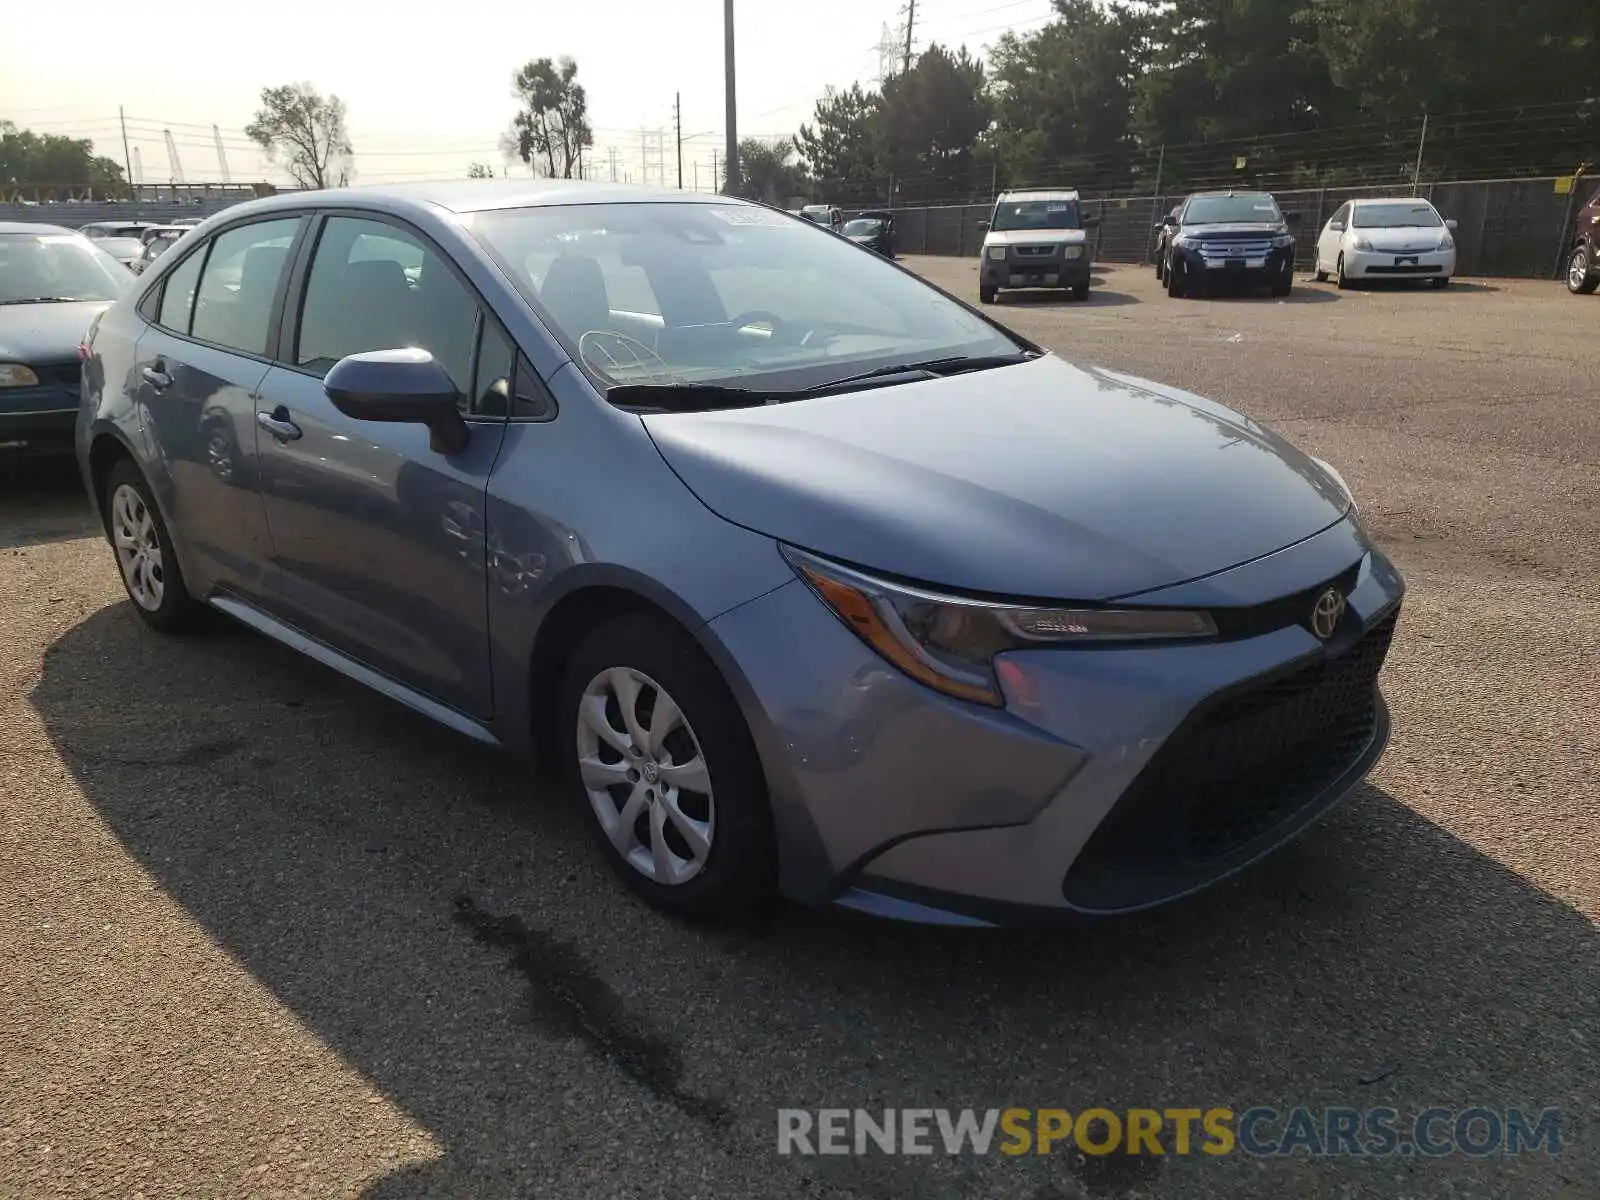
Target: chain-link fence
{"x":1506,"y":227}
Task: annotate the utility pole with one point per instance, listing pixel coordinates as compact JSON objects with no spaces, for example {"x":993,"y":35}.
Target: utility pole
{"x":127,"y":159}
{"x":697,"y":176}
{"x":713,"y":170}
{"x":911,"y":21}
{"x":677,"y":124}
{"x":730,"y":100}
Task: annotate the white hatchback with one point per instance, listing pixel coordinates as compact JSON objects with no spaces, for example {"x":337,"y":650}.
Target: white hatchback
{"x":1403,"y":238}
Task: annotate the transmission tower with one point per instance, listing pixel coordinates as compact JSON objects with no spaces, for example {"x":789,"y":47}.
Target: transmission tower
{"x":889,"y":43}
{"x":222,"y":157}
{"x":172,"y":157}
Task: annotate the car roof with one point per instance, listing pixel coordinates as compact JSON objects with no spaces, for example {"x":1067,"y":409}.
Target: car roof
{"x":1232,"y":192}
{"x":1392,"y":200}
{"x":483,"y":195}
{"x":1041,"y":194}
{"x":32,"y":227}
{"x":122,"y":224}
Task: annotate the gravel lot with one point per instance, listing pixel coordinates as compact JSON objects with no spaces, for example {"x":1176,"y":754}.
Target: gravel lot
{"x":263,"y":933}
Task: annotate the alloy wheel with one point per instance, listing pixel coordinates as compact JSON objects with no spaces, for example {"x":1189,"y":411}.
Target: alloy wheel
{"x":1577,"y":269}
{"x":645,"y":776}
{"x":133,"y":532}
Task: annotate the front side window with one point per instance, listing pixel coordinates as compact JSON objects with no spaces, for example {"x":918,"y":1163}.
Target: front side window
{"x":375,"y":286}
{"x":1035,"y":214}
{"x":1219,"y":210}
{"x":37,"y":268}
{"x":239,"y":285}
{"x":721,"y":293}
{"x":1408,"y":215}
{"x":862,"y":228}
{"x":177,"y":293}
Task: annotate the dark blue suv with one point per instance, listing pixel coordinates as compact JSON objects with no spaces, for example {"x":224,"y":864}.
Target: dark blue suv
{"x":1236,"y":236}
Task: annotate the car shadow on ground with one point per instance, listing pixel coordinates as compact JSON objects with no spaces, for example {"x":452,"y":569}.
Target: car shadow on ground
{"x":42,"y":500}
{"x":1098,"y":298}
{"x":1222,"y":293}
{"x":443,"y":926}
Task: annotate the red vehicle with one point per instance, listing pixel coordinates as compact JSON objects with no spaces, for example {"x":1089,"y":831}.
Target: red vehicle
{"x":1583,"y":256}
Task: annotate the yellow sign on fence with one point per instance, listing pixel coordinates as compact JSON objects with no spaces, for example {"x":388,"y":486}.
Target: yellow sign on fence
{"x":1564,"y":184}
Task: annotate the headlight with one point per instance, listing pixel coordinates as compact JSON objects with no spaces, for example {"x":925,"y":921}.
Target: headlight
{"x":1185,"y":240}
{"x":1446,"y":242}
{"x":1338,"y":479}
{"x":998,"y":253}
{"x":949,"y":642}
{"x":1361,"y":243}
{"x":1072,"y":252}
{"x":17,"y":375}
{"x":1283,"y":240}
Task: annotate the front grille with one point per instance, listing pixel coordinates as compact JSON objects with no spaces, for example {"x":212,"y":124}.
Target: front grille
{"x":1034,"y":251}
{"x":1240,"y":249}
{"x":1246,"y":761}
{"x":62,"y":375}
{"x":1408,"y":269}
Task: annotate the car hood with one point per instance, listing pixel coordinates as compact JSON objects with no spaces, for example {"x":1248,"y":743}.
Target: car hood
{"x":1229,"y":228}
{"x":1041,"y":480}
{"x":46,"y":332}
{"x":1034,"y":237}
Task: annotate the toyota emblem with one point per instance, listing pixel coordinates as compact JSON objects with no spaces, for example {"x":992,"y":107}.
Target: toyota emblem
{"x":1327,"y":613}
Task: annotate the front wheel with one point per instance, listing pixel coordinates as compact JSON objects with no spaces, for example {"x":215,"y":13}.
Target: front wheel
{"x":1442,"y":281}
{"x":1284,"y":282}
{"x":1581,"y":276}
{"x":1319,"y":274}
{"x":986,"y":295}
{"x":1080,"y":291}
{"x":661,"y":755}
{"x":1175,"y":274}
{"x":1344,"y":282}
{"x":145,"y":558}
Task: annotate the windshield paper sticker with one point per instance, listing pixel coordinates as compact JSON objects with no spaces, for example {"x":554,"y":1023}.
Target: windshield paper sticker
{"x":731,"y":215}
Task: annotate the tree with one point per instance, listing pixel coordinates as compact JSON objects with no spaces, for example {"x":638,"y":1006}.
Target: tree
{"x":844,"y":148}
{"x":48,"y":159}
{"x":551,"y":128}
{"x":934,"y":116}
{"x":480,"y":170}
{"x":766,"y":172}
{"x":304,"y":133}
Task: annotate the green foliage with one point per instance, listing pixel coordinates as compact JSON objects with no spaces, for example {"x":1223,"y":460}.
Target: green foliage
{"x":767,"y":173}
{"x":551,"y":129}
{"x":50,"y":160}
{"x":304,"y":132}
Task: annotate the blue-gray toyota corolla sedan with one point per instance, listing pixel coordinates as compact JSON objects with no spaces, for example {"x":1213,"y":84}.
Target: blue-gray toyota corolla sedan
{"x":808,"y":577}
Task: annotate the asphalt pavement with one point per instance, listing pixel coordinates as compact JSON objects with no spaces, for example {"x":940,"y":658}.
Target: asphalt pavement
{"x":264,"y":933}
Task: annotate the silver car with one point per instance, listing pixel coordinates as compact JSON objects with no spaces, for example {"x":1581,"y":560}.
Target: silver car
{"x":807,"y":577}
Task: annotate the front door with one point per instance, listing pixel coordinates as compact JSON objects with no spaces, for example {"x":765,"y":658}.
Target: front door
{"x":1328,"y":241}
{"x":378,"y":538}
{"x":196,"y":374}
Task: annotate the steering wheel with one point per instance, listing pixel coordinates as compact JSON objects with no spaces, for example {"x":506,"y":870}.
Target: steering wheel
{"x":604,"y":343}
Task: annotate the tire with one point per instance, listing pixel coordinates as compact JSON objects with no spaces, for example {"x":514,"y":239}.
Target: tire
{"x":1319,"y":274}
{"x":144,"y":555}
{"x":1344,"y":283}
{"x":1175,"y":274}
{"x":986,"y":295}
{"x":1160,"y":267}
{"x":1443,"y":281}
{"x":1581,"y":276}
{"x":1080,"y":291}
{"x":1284,"y":283}
{"x":650,"y":656}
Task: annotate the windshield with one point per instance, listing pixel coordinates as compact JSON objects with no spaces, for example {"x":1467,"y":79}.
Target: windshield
{"x":60,"y":266}
{"x":862,"y":227}
{"x":120,"y":247}
{"x":1218,"y":210}
{"x":1035,"y":214}
{"x":1404,"y":214}
{"x":112,"y":231}
{"x":730,"y":295}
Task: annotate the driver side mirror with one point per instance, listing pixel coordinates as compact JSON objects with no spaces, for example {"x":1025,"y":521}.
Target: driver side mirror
{"x":1336,"y":226}
{"x":1450,"y":224}
{"x":403,"y":386}
{"x":1291,"y":218}
{"x":1090,"y":221}
{"x":1168,"y":221}
{"x":983,"y":224}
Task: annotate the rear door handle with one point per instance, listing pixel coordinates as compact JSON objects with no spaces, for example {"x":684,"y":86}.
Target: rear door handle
{"x":156,"y":378}
{"x":278,"y":424}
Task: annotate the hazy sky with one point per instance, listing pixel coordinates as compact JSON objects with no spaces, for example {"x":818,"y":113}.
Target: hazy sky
{"x":428,"y":86}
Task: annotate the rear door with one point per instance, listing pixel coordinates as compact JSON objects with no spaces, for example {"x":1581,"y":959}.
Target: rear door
{"x":378,"y":538}
{"x":195,"y":375}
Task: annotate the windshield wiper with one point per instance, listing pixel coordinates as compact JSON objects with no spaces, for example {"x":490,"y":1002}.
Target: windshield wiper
{"x":43,"y":300}
{"x":708,"y":397}
{"x":956,"y":364}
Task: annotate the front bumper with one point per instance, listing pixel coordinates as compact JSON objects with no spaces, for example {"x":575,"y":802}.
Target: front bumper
{"x":1053,"y":271}
{"x":1239,"y":260}
{"x":37,"y":418}
{"x":1399,"y":264}
{"x":1115,"y":779}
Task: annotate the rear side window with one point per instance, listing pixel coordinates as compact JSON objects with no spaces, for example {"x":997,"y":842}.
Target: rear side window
{"x":233,"y":305}
{"x":177,"y":296}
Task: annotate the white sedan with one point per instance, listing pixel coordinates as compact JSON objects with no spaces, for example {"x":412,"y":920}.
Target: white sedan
{"x":1387,"y":239}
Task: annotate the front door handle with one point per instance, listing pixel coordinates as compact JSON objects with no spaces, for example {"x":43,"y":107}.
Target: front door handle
{"x":278,"y":424}
{"x":156,"y":378}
